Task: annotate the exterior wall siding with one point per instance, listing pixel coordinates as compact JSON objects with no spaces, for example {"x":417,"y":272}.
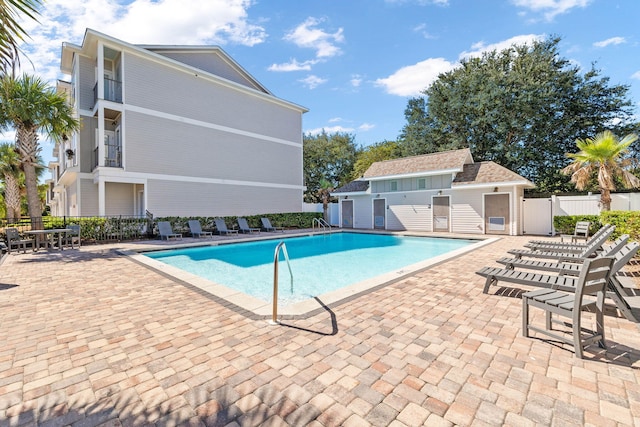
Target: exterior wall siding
{"x":466,"y":211}
{"x":119,"y":199}
{"x":155,"y":145}
{"x":87,"y":81}
{"x":161,"y":88}
{"x":175,"y":198}
{"x":211,"y":63}
{"x":89,"y":196}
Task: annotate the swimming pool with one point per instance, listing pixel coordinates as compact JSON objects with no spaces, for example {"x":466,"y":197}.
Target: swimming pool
{"x":320,"y":264}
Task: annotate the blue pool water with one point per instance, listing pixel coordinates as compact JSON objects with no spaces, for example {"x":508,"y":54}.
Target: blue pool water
{"x":320,"y":263}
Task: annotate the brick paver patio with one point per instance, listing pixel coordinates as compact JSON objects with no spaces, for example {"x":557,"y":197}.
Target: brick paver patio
{"x":90,"y":338}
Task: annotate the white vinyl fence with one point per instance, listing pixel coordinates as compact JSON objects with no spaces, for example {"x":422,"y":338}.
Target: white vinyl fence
{"x":334,"y":211}
{"x":538,"y":213}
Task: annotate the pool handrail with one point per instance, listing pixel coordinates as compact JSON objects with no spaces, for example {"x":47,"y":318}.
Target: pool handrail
{"x":321,"y":223}
{"x":283,"y":246}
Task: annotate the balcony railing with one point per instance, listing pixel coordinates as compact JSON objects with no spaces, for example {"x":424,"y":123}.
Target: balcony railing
{"x":112,"y":158}
{"x":112,"y":91}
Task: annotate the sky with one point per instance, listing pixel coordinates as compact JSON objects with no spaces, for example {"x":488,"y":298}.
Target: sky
{"x":353,"y":63}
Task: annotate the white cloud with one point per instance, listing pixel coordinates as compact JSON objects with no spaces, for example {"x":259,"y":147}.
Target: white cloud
{"x":308,"y":36}
{"x":366,"y":126}
{"x":139,"y":22}
{"x":330,"y":129}
{"x":293,"y":65}
{"x":356,"y":80}
{"x":550,"y":8}
{"x":312,"y":81}
{"x":422,"y":30}
{"x":413,"y":79}
{"x":610,"y":41}
{"x":335,"y":119}
{"x":480,"y":47}
{"x":636,"y":75}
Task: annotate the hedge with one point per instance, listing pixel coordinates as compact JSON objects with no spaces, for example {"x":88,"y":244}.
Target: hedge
{"x":626,"y":222}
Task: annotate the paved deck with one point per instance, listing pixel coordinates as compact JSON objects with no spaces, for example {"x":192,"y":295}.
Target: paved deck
{"x":89,"y":338}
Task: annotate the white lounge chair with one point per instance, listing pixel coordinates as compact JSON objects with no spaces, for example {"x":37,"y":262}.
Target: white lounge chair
{"x":164,"y":228}
{"x":221,"y":226}
{"x":196,"y":229}
{"x":266,"y":225}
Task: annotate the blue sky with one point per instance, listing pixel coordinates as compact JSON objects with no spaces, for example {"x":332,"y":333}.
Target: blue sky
{"x":353,"y":63}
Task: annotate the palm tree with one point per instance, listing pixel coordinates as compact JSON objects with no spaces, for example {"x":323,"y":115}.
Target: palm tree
{"x":10,"y":171}
{"x":31,"y":107}
{"x":325,"y":195}
{"x":603,"y":154}
{"x":11,"y":33}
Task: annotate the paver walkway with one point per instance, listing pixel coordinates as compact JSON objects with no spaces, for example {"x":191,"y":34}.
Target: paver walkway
{"x":90,"y":338}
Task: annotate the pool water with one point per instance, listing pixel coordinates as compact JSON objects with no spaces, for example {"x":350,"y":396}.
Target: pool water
{"x":319,"y":264}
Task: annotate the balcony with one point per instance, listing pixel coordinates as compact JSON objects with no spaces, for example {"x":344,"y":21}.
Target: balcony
{"x":113,"y":156}
{"x":112,"y":91}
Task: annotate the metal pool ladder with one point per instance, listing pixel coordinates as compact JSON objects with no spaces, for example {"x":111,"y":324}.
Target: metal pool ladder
{"x":321,"y":223}
{"x":281,"y":245}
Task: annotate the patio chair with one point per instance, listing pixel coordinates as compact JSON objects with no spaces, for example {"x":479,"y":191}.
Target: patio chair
{"x":567,"y":266}
{"x":581,"y":232}
{"x":266,"y":225}
{"x":554,"y":245}
{"x":592,"y":282}
{"x":564,"y":252}
{"x":14,"y":240}
{"x":243,"y":226}
{"x":221,"y":227}
{"x":72,"y":237}
{"x":166,"y":232}
{"x":563,"y":281}
{"x":196,"y":229}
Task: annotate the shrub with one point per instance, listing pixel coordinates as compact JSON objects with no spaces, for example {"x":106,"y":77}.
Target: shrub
{"x":566,"y":224}
{"x":626,"y":222}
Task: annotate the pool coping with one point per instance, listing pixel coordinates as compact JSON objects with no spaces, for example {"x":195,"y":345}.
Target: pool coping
{"x":255,"y":308}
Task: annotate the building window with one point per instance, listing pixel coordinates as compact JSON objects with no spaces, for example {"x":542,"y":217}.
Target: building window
{"x":422,"y":183}
{"x":394,"y":185}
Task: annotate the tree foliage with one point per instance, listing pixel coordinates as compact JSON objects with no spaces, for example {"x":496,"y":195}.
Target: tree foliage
{"x":522,"y":107}
{"x":328,"y":157}
{"x":31,"y":107}
{"x":603,"y":156}
{"x":385,"y":150}
{"x":11,"y":32}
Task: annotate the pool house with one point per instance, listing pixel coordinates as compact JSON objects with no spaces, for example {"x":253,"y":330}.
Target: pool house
{"x":439,"y":192}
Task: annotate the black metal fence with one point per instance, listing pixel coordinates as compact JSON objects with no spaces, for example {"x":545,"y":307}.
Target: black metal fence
{"x":103,"y":229}
{"x":94,"y":229}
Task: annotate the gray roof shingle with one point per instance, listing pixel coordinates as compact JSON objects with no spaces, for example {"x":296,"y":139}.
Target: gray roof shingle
{"x":444,"y":160}
{"x":353,"y":187}
{"x":487,"y":173}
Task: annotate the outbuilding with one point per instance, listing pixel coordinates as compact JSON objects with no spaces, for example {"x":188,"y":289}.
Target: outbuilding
{"x":438,"y":192}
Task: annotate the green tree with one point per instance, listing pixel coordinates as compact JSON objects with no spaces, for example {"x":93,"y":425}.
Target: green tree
{"x":11,"y":32}
{"x":521,"y":107}
{"x":10,"y":173}
{"x":604,"y":154}
{"x":378,"y":152}
{"x":30,"y":106}
{"x":327,"y":157}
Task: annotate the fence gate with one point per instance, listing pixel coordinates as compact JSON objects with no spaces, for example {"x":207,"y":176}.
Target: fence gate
{"x":537,"y":217}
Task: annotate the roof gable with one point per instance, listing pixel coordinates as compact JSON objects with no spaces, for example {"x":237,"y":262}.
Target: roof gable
{"x":487,"y":173}
{"x":428,"y":164}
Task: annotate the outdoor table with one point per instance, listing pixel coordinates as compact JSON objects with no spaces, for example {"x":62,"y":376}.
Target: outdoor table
{"x":42,"y":234}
